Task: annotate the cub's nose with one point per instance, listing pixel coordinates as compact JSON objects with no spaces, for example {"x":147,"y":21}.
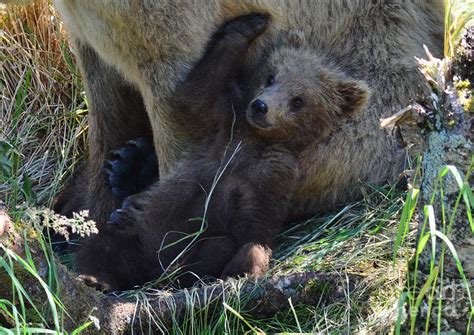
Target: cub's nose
{"x":258,"y":106}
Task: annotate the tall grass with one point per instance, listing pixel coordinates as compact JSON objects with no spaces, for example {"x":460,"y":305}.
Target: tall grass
{"x":42,"y":106}
{"x":416,"y":294}
{"x":32,"y":312}
{"x":43,"y":121}
{"x":458,"y":14}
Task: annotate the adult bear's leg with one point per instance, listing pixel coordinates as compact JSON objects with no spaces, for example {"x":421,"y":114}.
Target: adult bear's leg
{"x":116,"y":114}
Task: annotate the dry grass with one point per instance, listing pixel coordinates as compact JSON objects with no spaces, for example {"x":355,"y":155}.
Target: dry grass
{"x":42,"y":109}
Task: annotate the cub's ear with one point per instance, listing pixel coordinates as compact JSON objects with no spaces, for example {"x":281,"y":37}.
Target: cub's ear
{"x":354,"y":94}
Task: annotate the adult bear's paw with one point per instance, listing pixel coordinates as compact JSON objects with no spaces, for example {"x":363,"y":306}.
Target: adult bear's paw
{"x":132,"y":168}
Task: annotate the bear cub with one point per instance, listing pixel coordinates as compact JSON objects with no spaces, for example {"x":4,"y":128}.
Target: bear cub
{"x":219,"y":212}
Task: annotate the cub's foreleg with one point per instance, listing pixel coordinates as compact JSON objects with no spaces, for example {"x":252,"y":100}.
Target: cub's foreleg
{"x":214,"y":76}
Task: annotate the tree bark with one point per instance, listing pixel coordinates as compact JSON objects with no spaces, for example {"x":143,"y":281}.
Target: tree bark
{"x":442,"y":132}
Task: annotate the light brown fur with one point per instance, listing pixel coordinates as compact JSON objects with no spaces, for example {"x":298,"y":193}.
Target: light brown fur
{"x":149,"y":46}
{"x":246,"y":208}
{"x":318,"y":84}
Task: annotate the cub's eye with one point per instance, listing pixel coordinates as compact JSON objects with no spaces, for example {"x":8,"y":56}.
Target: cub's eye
{"x":297,"y":102}
{"x":270,"y":80}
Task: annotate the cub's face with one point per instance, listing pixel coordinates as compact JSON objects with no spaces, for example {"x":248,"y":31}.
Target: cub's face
{"x":279,"y":101}
{"x":303,"y":97}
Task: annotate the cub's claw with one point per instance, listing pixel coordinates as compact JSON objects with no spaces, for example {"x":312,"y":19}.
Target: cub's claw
{"x":121,"y":223}
{"x":115,"y":217}
{"x":144,"y":144}
{"x":131,"y":168}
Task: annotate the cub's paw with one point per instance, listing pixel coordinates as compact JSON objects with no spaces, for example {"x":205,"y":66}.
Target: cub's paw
{"x":122,"y":221}
{"x":132,"y":168}
{"x":249,"y":26}
{"x":252,"y":259}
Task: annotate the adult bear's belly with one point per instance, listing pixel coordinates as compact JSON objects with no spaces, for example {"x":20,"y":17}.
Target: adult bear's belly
{"x":154,"y":43}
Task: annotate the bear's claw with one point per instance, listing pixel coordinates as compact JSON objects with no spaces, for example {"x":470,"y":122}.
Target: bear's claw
{"x":131,"y":168}
{"x":121,"y":223}
{"x":145,"y":144}
{"x":115,"y":217}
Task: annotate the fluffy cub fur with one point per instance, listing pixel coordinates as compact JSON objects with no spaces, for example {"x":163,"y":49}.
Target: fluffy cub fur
{"x":218,"y":212}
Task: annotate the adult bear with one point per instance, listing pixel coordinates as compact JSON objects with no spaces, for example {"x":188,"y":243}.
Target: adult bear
{"x":133,"y":53}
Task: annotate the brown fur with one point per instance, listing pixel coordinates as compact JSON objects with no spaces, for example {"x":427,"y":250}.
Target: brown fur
{"x":142,"y":49}
{"x":255,"y":165}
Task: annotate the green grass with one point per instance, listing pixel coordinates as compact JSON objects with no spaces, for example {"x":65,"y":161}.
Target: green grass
{"x":329,"y":244}
{"x":458,"y":14}
{"x":357,"y":239}
{"x":44,"y":129}
{"x":40,"y":313}
{"x":43,"y":122}
{"x":415,"y":292}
